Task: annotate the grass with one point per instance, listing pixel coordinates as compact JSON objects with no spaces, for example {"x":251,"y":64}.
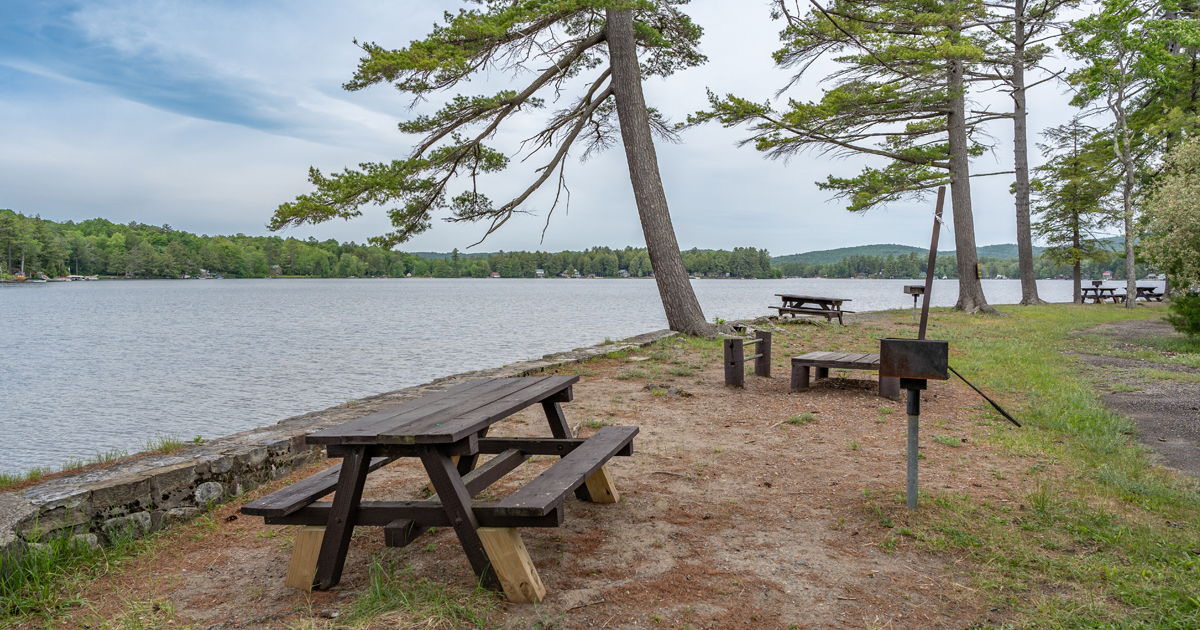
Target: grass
{"x":1091,"y":546}
{"x":802,"y":419}
{"x":393,"y":589}
{"x":165,"y":444}
{"x":947,"y":440}
{"x":34,"y":475}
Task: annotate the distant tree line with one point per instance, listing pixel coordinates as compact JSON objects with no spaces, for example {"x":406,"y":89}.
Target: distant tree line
{"x":138,"y":250}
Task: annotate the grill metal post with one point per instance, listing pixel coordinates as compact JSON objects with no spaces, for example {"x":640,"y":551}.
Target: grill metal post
{"x":914,"y":416}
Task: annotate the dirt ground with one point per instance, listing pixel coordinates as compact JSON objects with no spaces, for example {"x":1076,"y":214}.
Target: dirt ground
{"x":1167,"y":412}
{"x":730,"y":516}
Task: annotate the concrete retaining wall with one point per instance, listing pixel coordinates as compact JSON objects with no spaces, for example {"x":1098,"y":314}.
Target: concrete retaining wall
{"x":139,"y":496}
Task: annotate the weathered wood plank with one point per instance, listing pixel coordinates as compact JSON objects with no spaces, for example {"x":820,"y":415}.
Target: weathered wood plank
{"x":287,"y":500}
{"x":465,"y":421}
{"x":548,"y":490}
{"x":431,"y":415}
{"x":538,"y":446}
{"x":368,"y":425}
{"x":428,"y":513}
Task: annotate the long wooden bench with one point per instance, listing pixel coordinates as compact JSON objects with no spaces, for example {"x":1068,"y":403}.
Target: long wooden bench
{"x":823,"y":361}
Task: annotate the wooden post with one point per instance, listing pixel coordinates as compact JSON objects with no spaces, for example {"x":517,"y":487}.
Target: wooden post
{"x":822,"y":372}
{"x":762,"y":365}
{"x":735,"y":358}
{"x":602,"y":487}
{"x":510,"y":561}
{"x":799,"y":378}
{"x":305,"y":548}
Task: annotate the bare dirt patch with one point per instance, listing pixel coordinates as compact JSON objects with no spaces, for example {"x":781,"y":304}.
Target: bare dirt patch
{"x":730,"y":516}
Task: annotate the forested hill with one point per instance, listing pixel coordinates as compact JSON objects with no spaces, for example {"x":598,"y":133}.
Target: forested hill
{"x":831,"y":256}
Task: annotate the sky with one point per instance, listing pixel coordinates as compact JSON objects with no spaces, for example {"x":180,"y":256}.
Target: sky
{"x":207,"y":116}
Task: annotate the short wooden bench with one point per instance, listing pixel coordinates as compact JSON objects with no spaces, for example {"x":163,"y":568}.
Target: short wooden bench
{"x":822,"y":361}
{"x":447,"y":431}
{"x":827,"y":314}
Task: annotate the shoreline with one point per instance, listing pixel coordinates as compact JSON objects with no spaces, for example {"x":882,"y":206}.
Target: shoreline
{"x":143,"y":494}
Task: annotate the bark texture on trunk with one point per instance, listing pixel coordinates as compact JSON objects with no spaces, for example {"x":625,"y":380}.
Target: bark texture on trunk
{"x":1077,"y":279}
{"x":1029,"y":293}
{"x":678,"y":299}
{"x":970,"y":291}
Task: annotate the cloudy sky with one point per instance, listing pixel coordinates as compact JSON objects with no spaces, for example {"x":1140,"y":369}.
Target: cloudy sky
{"x":207,"y":116}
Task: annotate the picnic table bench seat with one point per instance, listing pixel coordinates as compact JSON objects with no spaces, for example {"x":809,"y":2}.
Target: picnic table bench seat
{"x":888,"y":387}
{"x":448,"y":432}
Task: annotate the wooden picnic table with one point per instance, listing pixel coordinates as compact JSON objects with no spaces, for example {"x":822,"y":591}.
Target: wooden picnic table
{"x":447,"y":431}
{"x":812,"y":305}
{"x":1148,"y":294}
{"x":1100,"y":294}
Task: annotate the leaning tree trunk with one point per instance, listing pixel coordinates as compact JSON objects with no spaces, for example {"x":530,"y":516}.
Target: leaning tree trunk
{"x":970,"y":291}
{"x":1029,"y":293}
{"x":679,"y":301}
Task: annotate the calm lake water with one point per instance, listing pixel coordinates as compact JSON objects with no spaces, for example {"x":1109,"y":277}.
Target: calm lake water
{"x":92,"y":366}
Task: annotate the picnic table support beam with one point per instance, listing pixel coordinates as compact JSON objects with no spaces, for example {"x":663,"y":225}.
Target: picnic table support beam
{"x":518,"y":577}
{"x":306,"y":548}
{"x":560,"y":428}
{"x":336,"y":543}
{"x":443,"y":474}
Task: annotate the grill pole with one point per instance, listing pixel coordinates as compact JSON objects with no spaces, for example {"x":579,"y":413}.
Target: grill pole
{"x":914,"y":393}
{"x":914,"y":415}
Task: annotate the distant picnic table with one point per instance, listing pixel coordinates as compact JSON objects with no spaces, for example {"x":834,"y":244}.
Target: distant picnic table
{"x":447,"y":431}
{"x":827,"y":307}
{"x":1100,"y":294}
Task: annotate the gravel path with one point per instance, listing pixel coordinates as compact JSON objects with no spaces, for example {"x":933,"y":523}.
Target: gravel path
{"x":1166,"y":412}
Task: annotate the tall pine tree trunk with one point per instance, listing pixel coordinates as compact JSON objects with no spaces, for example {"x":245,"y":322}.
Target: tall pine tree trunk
{"x":970,"y":291}
{"x":1077,"y":277}
{"x":679,"y":301}
{"x":1029,"y":293}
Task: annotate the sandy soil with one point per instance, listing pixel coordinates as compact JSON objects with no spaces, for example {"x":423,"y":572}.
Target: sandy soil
{"x":729,"y":516}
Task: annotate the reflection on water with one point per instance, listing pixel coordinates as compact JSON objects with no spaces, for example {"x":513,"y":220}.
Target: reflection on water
{"x":94,"y":366}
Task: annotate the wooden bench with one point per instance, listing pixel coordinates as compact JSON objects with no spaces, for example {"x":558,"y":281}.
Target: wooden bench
{"x":447,"y":431}
{"x":822,"y":361}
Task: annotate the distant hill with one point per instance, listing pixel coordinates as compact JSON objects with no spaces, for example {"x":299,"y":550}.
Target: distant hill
{"x":446,"y":255}
{"x":830,"y":256}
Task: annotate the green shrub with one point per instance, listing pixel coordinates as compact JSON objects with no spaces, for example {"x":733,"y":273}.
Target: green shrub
{"x":1184,"y":313}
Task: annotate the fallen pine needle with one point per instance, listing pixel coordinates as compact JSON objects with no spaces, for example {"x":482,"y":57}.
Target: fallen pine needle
{"x":599,"y":601}
{"x":664,"y":472}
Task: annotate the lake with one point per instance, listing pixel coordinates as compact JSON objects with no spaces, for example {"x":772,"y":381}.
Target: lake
{"x":93,"y":366}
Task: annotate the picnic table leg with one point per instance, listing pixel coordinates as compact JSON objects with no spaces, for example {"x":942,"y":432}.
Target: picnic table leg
{"x":466,"y":463}
{"x":443,"y":474}
{"x":341,"y":517}
{"x":560,"y":429}
{"x":799,"y":378}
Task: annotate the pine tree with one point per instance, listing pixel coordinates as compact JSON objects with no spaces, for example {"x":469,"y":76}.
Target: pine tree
{"x":613,"y":43}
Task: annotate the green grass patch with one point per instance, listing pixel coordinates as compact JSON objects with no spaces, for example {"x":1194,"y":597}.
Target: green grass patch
{"x":947,"y":440}
{"x":631,"y":373}
{"x":802,"y":419}
{"x":433,"y":604}
{"x":1102,"y":537}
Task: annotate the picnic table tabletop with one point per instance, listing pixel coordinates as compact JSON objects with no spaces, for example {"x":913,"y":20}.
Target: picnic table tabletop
{"x":446,"y":416}
{"x":811,"y":298}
